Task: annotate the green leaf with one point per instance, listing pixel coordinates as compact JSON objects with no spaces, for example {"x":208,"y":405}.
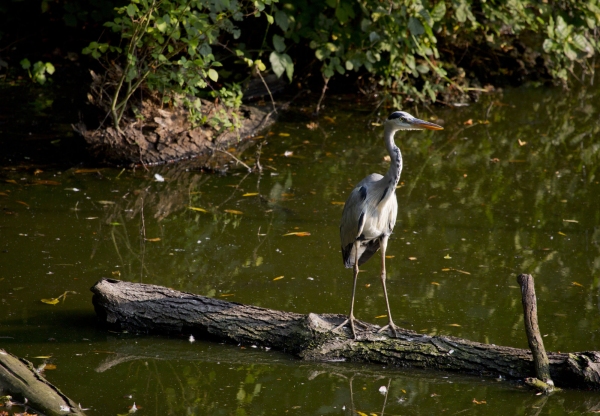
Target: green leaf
{"x":49,"y":68}
{"x":270,"y":18}
{"x":212,"y":74}
{"x":279,"y":43}
{"x":131,"y":9}
{"x":439,"y":11}
{"x":161,"y":24}
{"x":415,"y":26}
{"x":25,"y":64}
{"x":282,"y":63}
{"x":282,"y":20}
{"x":569,"y":52}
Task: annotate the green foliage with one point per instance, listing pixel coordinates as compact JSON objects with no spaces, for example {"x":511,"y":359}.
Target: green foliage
{"x":409,"y":49}
{"x":39,"y":71}
{"x":167,"y":46}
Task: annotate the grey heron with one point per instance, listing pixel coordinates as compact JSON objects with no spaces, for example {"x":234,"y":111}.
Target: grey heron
{"x":370,"y":211}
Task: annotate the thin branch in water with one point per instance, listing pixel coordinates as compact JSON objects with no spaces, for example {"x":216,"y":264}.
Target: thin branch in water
{"x":322,"y":94}
{"x":236,"y":159}
{"x":268,"y":90}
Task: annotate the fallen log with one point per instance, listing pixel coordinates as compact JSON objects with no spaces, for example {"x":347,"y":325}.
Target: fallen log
{"x":156,"y":309}
{"x":19,"y":380}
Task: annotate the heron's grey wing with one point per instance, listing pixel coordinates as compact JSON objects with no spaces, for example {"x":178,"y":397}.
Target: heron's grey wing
{"x":353,"y":220}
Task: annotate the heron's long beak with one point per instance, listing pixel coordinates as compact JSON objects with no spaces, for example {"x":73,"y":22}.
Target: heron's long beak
{"x":425,"y":125}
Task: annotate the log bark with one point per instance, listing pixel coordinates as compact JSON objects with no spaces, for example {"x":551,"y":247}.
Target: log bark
{"x":534,"y":338}
{"x":155,"y":309}
{"x":19,"y":379}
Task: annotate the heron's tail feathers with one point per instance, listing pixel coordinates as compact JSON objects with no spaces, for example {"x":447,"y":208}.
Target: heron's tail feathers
{"x":366,"y":249}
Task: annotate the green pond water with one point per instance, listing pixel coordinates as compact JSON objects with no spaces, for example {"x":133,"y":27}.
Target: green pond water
{"x":510,"y":186}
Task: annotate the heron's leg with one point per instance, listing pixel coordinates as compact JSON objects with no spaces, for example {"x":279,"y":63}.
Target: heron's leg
{"x":351,"y":316}
{"x":383,"y":245}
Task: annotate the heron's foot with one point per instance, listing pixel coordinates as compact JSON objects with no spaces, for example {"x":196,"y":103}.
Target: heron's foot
{"x":352,"y":321}
{"x":392,"y":327}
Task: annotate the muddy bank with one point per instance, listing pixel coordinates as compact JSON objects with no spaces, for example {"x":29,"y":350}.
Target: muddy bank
{"x":155,"y":133}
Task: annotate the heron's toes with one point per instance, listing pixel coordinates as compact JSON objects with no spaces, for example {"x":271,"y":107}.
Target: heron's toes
{"x":392,"y":327}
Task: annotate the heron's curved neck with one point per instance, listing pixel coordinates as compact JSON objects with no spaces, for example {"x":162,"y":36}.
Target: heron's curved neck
{"x":395,"y":169}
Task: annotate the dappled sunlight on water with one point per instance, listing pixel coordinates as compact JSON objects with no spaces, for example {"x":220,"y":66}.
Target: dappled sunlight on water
{"x":510,"y":186}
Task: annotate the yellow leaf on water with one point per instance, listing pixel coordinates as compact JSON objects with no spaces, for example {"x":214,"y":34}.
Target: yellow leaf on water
{"x":233,"y":211}
{"x":87,"y":171}
{"x":284,"y":134}
{"x":461,"y":271}
{"x":106,"y":202}
{"x":435,"y":283}
{"x":298,"y":233}
{"x":389,"y":257}
{"x":453,"y":325}
{"x":412,"y":258}
{"x":50,"y":367}
{"x":575,"y":221}
{"x":45,"y":182}
{"x":445,"y":270}
{"x":153,"y":239}
{"x":361,"y":413}
{"x":52,"y":301}
{"x":251,"y":194}
{"x":11,"y":181}
{"x":576,"y":284}
{"x":3,"y":194}
{"x":559,"y":233}
{"x":337,"y":203}
{"x":43,"y":357}
{"x":447,"y":256}
{"x":278,"y":278}
{"x":521,"y":143}
{"x":23,"y":203}
{"x":380,"y":316}
{"x":225,"y":295}
{"x":198,"y":209}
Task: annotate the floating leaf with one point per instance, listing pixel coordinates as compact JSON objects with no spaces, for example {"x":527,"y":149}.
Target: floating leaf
{"x":43,"y":357}
{"x":435,"y":283}
{"x":575,"y":221}
{"x":479,"y":402}
{"x":559,"y":233}
{"x":198,"y":209}
{"x":576,"y":284}
{"x":50,"y":367}
{"x":453,"y":325}
{"x":226,"y":295}
{"x":23,"y":203}
{"x":284,"y":134}
{"x":412,"y":258}
{"x":233,"y":211}
{"x":337,"y":203}
{"x":251,"y":194}
{"x":11,"y":181}
{"x":447,"y":256}
{"x":298,"y":233}
{"x":107,"y":202}
{"x":389,"y":257}
{"x":469,"y":122}
{"x":521,"y":143}
{"x":445,"y":270}
{"x":46,"y":182}
{"x":380,"y":316}
{"x":52,"y":301}
{"x":3,"y":194}
{"x":278,"y":278}
{"x":153,"y":239}
{"x":87,"y":171}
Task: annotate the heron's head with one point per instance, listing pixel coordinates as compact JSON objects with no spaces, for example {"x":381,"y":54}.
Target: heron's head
{"x":401,"y":120}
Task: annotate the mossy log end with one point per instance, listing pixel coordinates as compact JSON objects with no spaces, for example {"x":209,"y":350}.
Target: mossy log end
{"x":19,"y":379}
{"x":156,"y":309}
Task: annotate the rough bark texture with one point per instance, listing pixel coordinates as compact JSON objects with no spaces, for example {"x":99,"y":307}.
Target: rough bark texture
{"x":149,"y":308}
{"x":19,"y":379}
{"x":534,"y":338}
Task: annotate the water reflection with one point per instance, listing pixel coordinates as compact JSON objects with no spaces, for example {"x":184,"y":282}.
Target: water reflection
{"x":510,"y":186}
